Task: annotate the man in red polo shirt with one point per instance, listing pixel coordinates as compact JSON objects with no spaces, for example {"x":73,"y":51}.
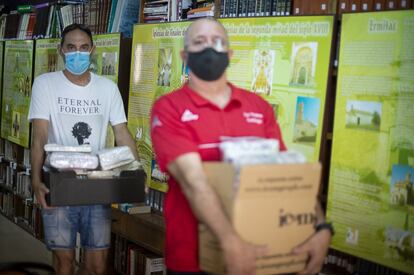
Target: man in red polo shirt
{"x":187,"y":125}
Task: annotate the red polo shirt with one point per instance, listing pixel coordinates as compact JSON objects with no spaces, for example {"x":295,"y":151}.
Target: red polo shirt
{"x":184,"y":122}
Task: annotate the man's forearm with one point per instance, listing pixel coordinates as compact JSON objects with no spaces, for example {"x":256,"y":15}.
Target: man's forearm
{"x":131,"y":144}
{"x":124,"y":138}
{"x":203,"y":200}
{"x":37,"y":157}
{"x":40,"y":132}
{"x":209,"y":210}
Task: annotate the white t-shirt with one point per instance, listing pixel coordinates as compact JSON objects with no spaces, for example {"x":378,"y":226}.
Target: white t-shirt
{"x":76,"y":114}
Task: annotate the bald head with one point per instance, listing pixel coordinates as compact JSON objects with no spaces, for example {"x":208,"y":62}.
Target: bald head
{"x":202,"y":28}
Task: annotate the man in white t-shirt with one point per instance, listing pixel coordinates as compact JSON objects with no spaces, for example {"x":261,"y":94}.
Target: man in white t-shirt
{"x":74,"y":107}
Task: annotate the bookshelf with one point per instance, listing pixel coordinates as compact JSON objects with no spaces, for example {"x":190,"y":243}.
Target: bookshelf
{"x":47,"y":19}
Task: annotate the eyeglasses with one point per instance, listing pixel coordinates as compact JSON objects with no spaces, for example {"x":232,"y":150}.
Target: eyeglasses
{"x":199,"y":44}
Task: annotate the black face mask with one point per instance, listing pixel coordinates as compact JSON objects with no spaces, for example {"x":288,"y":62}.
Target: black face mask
{"x":209,"y":64}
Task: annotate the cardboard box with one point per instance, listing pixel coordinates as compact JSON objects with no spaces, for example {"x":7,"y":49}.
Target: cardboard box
{"x":67,"y":189}
{"x":274,"y":206}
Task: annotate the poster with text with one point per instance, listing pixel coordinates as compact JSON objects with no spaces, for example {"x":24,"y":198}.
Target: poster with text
{"x":283,"y":59}
{"x":18,"y":61}
{"x":371,"y":184}
{"x":47,"y":58}
{"x":156,"y":69}
{"x":1,"y":66}
{"x":105,"y":62}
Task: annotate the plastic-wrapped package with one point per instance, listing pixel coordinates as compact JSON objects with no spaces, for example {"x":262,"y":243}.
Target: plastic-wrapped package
{"x":115,"y":157}
{"x":52,"y":147}
{"x":249,"y":150}
{"x":102,"y":174}
{"x":73,"y":160}
{"x":135,"y":165}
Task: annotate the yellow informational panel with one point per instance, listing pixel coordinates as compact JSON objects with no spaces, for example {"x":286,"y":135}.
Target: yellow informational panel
{"x":371,"y":188}
{"x":283,"y":59}
{"x":105,"y":62}
{"x":18,"y":60}
{"x":1,"y":65}
{"x":156,"y":69}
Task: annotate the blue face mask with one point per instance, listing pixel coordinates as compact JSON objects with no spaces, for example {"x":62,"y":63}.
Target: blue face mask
{"x":77,"y":62}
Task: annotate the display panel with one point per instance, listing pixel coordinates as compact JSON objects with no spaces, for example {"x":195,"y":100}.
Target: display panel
{"x":17,"y":86}
{"x":371,"y":189}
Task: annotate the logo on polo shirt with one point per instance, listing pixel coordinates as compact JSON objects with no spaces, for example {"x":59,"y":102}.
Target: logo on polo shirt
{"x":252,"y":117}
{"x":156,"y":122}
{"x":188,"y":116}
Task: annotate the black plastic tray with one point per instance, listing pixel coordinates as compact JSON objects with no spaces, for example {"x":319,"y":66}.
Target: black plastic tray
{"x":67,"y":189}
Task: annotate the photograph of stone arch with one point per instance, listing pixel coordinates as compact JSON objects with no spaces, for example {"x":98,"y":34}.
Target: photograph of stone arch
{"x":364,"y":115}
{"x":303,"y":60}
{"x":263,"y":64}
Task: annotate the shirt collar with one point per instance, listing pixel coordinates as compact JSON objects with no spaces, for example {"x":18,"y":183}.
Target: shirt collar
{"x":199,"y":101}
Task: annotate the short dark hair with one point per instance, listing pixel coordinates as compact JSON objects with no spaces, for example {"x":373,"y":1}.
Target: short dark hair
{"x":73,"y":27}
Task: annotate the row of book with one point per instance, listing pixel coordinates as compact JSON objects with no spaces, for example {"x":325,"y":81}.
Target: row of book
{"x":155,"y":199}
{"x":248,"y":8}
{"x":337,"y":262}
{"x":176,"y":10}
{"x":132,"y":259}
{"x":239,"y":8}
{"x":15,"y":181}
{"x":21,"y":211}
{"x":47,"y":20}
{"x":206,"y":9}
{"x":373,"y":5}
{"x":157,"y":11}
{"x":7,"y":203}
{"x":304,"y":7}
{"x":39,"y":21}
{"x":12,"y":152}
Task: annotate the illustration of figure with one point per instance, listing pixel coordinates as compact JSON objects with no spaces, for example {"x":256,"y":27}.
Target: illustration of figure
{"x":16,"y":126}
{"x":262,"y":72}
{"x":27,"y":86}
{"x":81,"y":131}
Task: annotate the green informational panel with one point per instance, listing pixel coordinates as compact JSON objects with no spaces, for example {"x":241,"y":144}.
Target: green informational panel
{"x":283,"y":59}
{"x":47,"y":58}
{"x":105,"y":62}
{"x":371,"y":188}
{"x":18,"y":60}
{"x":1,"y":66}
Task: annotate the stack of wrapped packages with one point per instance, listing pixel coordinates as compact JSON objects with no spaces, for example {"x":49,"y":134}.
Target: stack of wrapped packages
{"x":107,"y":163}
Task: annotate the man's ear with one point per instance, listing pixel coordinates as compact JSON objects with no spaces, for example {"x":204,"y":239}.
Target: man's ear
{"x":230,"y":53}
{"x":183,"y":55}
